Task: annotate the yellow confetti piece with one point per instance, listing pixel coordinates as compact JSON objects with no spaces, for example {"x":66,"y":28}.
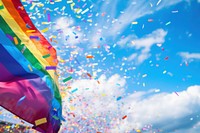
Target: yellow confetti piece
{"x":103,"y":95}
{"x":57,"y":0}
{"x":40,"y":5}
{"x":30,"y":68}
{"x":40,"y":121}
{"x":78,"y":16}
{"x":138,"y":131}
{"x":33,"y":5}
{"x":7,"y":127}
{"x":89,"y":20}
{"x":15,"y":40}
{"x":46,"y":22}
{"x":79,"y":11}
{"x":54,"y":36}
{"x":72,"y":5}
{"x":45,"y":30}
{"x":72,"y":108}
{"x":30,"y":31}
{"x":74,"y":52}
{"x":134,"y":23}
{"x":61,"y":60}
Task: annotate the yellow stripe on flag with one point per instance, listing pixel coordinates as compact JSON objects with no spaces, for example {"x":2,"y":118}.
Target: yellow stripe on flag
{"x":25,"y":39}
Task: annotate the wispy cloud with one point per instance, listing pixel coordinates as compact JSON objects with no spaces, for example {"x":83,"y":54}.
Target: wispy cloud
{"x":143,"y":44}
{"x":139,"y":9}
{"x":189,"y":57}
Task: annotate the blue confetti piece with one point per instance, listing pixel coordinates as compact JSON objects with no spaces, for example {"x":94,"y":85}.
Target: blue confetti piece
{"x":119,"y":98}
{"x":74,"y":90}
{"x":21,"y":100}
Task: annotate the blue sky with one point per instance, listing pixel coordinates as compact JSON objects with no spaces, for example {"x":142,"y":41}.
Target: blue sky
{"x":111,"y":22}
{"x":144,"y":51}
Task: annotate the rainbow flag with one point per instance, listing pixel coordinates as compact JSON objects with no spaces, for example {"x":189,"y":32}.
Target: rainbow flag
{"x":28,"y":78}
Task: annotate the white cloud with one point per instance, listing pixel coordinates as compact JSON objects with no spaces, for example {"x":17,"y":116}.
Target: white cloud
{"x":132,"y":57}
{"x":115,"y":23}
{"x":96,"y":105}
{"x":143,"y":44}
{"x":68,"y":31}
{"x":186,"y":56}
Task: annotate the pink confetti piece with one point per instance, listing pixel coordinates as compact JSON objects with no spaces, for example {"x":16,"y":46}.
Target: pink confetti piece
{"x":48,"y":17}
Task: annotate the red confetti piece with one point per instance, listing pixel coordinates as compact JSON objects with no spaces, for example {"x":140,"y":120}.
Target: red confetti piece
{"x":166,"y":58}
{"x":150,"y":20}
{"x":124,"y":117}
{"x":89,"y":75}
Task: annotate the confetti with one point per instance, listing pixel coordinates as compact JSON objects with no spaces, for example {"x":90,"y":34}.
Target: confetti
{"x":89,"y":56}
{"x":67,"y":79}
{"x":21,"y":100}
{"x":48,"y":17}
{"x":45,"y":30}
{"x":15,"y":40}
{"x":24,"y":48}
{"x":164,"y":72}
{"x":40,"y":121}
{"x":30,"y":31}
{"x":175,"y":11}
{"x":74,"y":90}
{"x":86,"y":10}
{"x":150,"y":20}
{"x":124,"y":117}
{"x":119,"y":98}
{"x":138,"y":131}
{"x":10,"y":37}
{"x":134,"y":22}
{"x":168,"y":23}
{"x":158,"y":2}
{"x":89,"y":75}
{"x":46,"y":56}
{"x":145,"y":75}
{"x":55,"y":117}
{"x":176,"y":93}
{"x":30,"y":68}
{"x":35,"y":37}
{"x":50,"y":68}
{"x":166,"y":58}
